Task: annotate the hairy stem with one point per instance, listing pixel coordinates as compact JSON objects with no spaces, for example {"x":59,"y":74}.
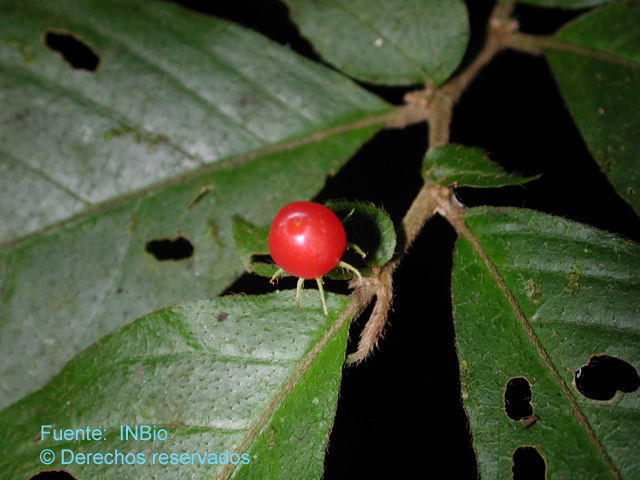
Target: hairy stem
{"x":435,"y":105}
{"x":499,"y":29}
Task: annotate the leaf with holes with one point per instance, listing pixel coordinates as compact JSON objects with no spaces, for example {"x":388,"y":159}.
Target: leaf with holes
{"x":596,"y":60}
{"x":458,"y":166}
{"x":390,"y":42}
{"x":119,"y":180}
{"x":252,"y":378}
{"x":535,"y":298}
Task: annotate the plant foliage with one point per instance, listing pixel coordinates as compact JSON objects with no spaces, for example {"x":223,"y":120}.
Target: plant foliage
{"x":145,"y":149}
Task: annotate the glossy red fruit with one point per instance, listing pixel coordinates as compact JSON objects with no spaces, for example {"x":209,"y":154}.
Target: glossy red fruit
{"x":306,"y":239}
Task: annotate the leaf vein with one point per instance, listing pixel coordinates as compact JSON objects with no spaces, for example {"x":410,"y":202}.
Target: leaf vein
{"x":83,"y":100}
{"x":185,"y":88}
{"x":453,"y":214}
{"x":44,"y":176}
{"x":367,"y":23}
{"x":250,"y":81}
{"x":626,"y":332}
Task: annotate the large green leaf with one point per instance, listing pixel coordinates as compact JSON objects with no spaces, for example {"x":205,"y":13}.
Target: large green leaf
{"x":596,"y":61}
{"x":186,"y":122}
{"x":238,"y":374}
{"x":174,"y":92}
{"x":391,"y":42}
{"x":535,"y":296}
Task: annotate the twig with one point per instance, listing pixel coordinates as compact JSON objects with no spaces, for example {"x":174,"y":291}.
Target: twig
{"x":435,"y":106}
{"x":500,"y":28}
{"x":423,"y":207}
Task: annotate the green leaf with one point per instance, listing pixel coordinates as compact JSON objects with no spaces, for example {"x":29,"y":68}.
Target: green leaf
{"x":389,"y":42}
{"x":596,"y":61}
{"x":176,"y":96}
{"x":458,"y":166}
{"x":368,"y":228}
{"x":240,"y":374}
{"x":250,"y":241}
{"x":562,"y":3}
{"x":535,"y":296}
{"x":70,"y":287}
{"x":186,"y":121}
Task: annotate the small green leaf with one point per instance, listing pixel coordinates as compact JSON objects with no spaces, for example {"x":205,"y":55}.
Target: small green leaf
{"x":371,"y":229}
{"x":389,"y":42}
{"x":596,"y":60}
{"x":535,"y":296}
{"x":458,"y":166}
{"x":245,"y":375}
{"x":251,"y":241}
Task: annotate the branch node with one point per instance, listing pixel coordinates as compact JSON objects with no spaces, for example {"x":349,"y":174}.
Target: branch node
{"x":381,"y":285}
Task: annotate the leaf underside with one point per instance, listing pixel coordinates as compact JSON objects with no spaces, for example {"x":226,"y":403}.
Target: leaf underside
{"x":180,"y":94}
{"x":459,"y":166}
{"x":186,"y":121}
{"x":560,"y":292}
{"x":238,"y":374}
{"x":596,"y":62}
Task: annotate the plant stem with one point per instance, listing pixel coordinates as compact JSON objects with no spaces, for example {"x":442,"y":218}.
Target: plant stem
{"x":435,"y":105}
{"x":499,"y":29}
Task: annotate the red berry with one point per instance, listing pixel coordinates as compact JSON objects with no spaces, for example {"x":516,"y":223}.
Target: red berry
{"x":306,"y":239}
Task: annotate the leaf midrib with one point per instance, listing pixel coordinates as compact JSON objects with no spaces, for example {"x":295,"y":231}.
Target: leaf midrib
{"x":456,"y":219}
{"x":237,"y":160}
{"x":561,"y":45}
{"x":303,"y":365}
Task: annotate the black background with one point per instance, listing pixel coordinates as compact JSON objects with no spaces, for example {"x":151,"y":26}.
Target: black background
{"x":399,"y":413}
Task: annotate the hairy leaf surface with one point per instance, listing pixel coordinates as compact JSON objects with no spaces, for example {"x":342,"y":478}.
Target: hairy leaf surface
{"x":535,"y":296}
{"x":244,"y":375}
{"x":185,"y":122}
{"x":459,"y":166}
{"x":390,"y":42}
{"x":596,"y":61}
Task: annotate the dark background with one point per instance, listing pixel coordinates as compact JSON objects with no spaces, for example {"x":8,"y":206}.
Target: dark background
{"x":399,"y":413}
